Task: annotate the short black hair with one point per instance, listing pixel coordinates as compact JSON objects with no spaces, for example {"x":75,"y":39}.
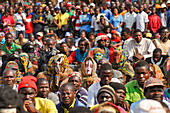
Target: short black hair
{"x":117,"y":86}
{"x":49,"y":40}
{"x":161,"y":29}
{"x":28,"y":74}
{"x":157,"y":50}
{"x":142,"y":63}
{"x":81,"y":40}
{"x":79,"y":109}
{"x":68,"y":85}
{"x":126,"y":30}
{"x":63,"y":43}
{"x":71,"y":40}
{"x":137,"y":30}
{"x":106,"y":66}
{"x":8,"y":34}
{"x":41,"y":80}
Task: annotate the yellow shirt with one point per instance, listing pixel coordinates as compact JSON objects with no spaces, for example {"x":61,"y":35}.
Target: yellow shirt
{"x":45,"y":105}
{"x":72,"y":106}
{"x":62,"y":18}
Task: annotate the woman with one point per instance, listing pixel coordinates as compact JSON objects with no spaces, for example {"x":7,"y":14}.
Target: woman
{"x":21,"y":40}
{"x":116,"y":21}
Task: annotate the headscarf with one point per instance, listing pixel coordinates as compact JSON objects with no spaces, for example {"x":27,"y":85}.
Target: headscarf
{"x":24,"y":60}
{"x":167,"y":95}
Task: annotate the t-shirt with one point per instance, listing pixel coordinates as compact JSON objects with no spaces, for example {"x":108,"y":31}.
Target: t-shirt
{"x":8,"y":20}
{"x":19,"y":27}
{"x":38,"y":27}
{"x":62,"y":18}
{"x":29,"y":25}
{"x":116,"y":22}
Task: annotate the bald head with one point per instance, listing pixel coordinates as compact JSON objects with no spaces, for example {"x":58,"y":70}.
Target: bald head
{"x":7,"y":71}
{"x":9,"y":77}
{"x":68,"y":85}
{"x":102,"y":61}
{"x":41,"y":80}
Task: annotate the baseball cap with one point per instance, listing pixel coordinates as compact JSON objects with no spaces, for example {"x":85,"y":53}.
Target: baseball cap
{"x":148,"y":35}
{"x":67,"y":34}
{"x":157,"y":6}
{"x":153,"y":82}
{"x":168,"y":2}
{"x":40,"y":34}
{"x":163,"y":5}
{"x":149,"y":106}
{"x":77,"y":7}
{"x":92,"y":4}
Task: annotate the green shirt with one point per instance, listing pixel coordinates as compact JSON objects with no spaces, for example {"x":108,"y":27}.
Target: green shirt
{"x":134,"y":92}
{"x":12,"y":49}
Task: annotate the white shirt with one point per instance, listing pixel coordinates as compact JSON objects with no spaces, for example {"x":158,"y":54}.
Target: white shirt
{"x":19,"y":20}
{"x":129,"y":19}
{"x":163,"y":19}
{"x":141,"y":19}
{"x":92,"y":94}
{"x":169,"y":52}
{"x":145,"y":47}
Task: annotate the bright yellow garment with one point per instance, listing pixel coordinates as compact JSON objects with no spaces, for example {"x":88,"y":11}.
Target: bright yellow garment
{"x":94,"y":107}
{"x":72,"y":106}
{"x":45,"y":105}
{"x":62,"y":18}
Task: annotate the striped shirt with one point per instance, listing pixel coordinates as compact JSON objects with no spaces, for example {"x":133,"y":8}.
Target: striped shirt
{"x":77,"y":23}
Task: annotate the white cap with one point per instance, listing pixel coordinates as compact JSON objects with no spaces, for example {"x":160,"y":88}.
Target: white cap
{"x":92,"y":4}
{"x":67,"y":34}
{"x":40,"y":34}
{"x":163,"y":5}
{"x":168,"y":2}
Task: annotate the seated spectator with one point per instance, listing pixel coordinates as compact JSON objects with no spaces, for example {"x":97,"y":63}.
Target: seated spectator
{"x":82,"y":36}
{"x":21,"y":40}
{"x":79,"y":109}
{"x":44,"y":91}
{"x":153,"y":90}
{"x":28,"y":89}
{"x":80,"y":54}
{"x":9,"y":46}
{"x":134,"y":88}
{"x":140,"y":46}
{"x":81,"y":93}
{"x":106,"y":74}
{"x":70,"y":44}
{"x":9,"y":79}
{"x":34,"y":41}
{"x":68,"y":97}
{"x":64,"y":49}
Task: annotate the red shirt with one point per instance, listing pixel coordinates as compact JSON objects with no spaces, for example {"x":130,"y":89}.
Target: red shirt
{"x":10,"y":20}
{"x":117,"y":39}
{"x":29,"y":25}
{"x":154,"y":23}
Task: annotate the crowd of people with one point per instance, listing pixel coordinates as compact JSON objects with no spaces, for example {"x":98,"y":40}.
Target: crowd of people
{"x":80,"y":57}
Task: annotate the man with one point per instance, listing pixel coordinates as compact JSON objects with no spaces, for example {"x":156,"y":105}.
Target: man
{"x":21,"y":21}
{"x":28,"y":24}
{"x":9,"y":79}
{"x":81,"y":93}
{"x":154,"y":89}
{"x":28,"y":89}
{"x":157,"y":58}
{"x":162,"y":15}
{"x":38,"y":21}
{"x":134,"y":88}
{"x":140,"y":46}
{"x":129,"y":18}
{"x":154,"y":21}
{"x":106,"y":74}
{"x":69,"y":101}
{"x":10,"y":46}
{"x":44,"y":91}
{"x":80,"y":54}
{"x":64,"y":49}
{"x":142,"y":19}
{"x":106,"y":11}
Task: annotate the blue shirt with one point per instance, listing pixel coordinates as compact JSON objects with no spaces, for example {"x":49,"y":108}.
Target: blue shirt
{"x":116,"y":22}
{"x":108,"y":13}
{"x":85,"y":18}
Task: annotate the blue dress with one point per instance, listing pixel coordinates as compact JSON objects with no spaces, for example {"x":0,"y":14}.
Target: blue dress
{"x":85,"y":18}
{"x":116,"y":22}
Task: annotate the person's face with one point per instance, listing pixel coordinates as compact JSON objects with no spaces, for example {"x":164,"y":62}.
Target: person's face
{"x":153,"y":10}
{"x":115,"y":11}
{"x":117,"y":3}
{"x":45,"y":40}
{"x":6,"y":13}
{"x":142,"y":74}
{"x":67,"y":95}
{"x":124,"y":36}
{"x":99,"y":63}
{"x":50,"y":45}
{"x":28,"y":12}
{"x":43,"y":89}
{"x":21,"y":36}
{"x":97,"y":11}
{"x":28,"y":94}
{"x":156,"y":56}
{"x":155,"y":93}
{"x":9,"y":78}
{"x":131,"y":9}
{"x":40,"y":9}
{"x":32,"y":38}
{"x":83,"y":35}
{"x":39,"y":37}
{"x":8,"y":39}
{"x":138,"y":37}
{"x":113,"y":35}
{"x":46,"y":8}
{"x":104,"y":97}
{"x":101,"y":43}
{"x":82,"y":46}
{"x":164,"y":32}
{"x":106,"y":76}
{"x":69,"y":8}
{"x":120,"y":95}
{"x":141,"y":8}
{"x":84,"y":10}
{"x":108,"y":30}
{"x":20,"y":10}
{"x":64,"y":48}
{"x":89,"y":67}
{"x":75,"y":81}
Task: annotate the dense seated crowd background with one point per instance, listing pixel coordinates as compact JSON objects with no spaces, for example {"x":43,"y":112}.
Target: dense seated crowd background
{"x":77,"y":57}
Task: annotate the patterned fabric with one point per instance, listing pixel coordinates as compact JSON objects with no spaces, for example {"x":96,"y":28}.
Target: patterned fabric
{"x":123,"y":65}
{"x":166,"y":66}
{"x":9,"y":30}
{"x":55,"y":65}
{"x":167,"y":95}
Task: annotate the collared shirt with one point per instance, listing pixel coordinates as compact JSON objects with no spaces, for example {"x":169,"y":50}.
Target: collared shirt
{"x":141,"y":19}
{"x":45,"y":105}
{"x":85,"y":18}
{"x":129,"y":19}
{"x":62,"y":18}
{"x":72,"y":106}
{"x":134,"y":92}
{"x":145,"y":47}
{"x":12,"y":49}
{"x":20,"y":20}
{"x":154,"y":23}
